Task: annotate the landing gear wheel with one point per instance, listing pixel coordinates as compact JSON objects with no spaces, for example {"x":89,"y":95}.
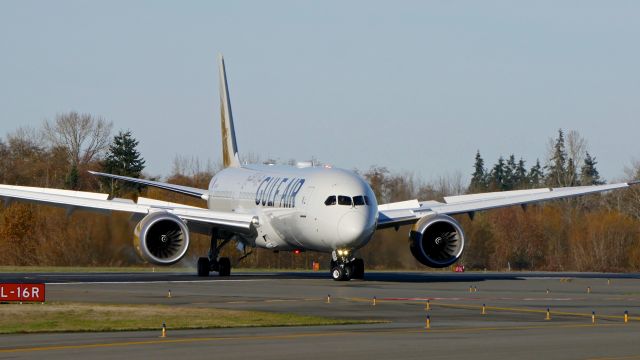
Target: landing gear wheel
{"x":224,"y":267}
{"x":337,"y":273}
{"x":348,"y":272}
{"x":358,"y":269}
{"x":203,"y":266}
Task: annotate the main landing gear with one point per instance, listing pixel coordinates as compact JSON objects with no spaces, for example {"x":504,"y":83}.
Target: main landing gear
{"x":222,"y":265}
{"x":345,"y":267}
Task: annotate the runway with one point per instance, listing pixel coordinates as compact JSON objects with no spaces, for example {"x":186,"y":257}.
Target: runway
{"x":513,"y":325}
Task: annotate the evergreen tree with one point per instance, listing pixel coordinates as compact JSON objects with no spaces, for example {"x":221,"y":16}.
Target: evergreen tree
{"x":557,"y":168}
{"x":510,"y":172}
{"x":589,"y":175}
{"x":479,"y":176}
{"x":123,"y":159}
{"x":536,"y":175}
{"x":498,"y":180}
{"x":520,"y":175}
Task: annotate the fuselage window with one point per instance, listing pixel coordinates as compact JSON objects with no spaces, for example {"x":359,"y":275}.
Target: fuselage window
{"x":344,"y":200}
{"x":358,"y":200}
{"x":331,"y":200}
{"x":366,"y":199}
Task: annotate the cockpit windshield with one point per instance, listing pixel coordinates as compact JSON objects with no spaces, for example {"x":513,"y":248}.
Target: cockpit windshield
{"x":344,"y":200}
{"x":331,"y":200}
{"x":359,"y":200}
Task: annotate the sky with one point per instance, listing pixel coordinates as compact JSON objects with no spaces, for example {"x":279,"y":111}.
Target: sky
{"x":412,"y":86}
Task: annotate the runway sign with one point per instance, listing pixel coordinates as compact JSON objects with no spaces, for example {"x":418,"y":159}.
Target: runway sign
{"x":22,"y":292}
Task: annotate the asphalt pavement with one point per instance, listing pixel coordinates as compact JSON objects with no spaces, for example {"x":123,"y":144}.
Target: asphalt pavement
{"x":514,"y":323}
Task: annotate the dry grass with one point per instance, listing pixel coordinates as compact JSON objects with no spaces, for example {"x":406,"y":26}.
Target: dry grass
{"x":76,"y":317}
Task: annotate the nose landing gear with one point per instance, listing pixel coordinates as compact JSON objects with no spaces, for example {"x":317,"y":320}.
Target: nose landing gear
{"x":344,"y":267}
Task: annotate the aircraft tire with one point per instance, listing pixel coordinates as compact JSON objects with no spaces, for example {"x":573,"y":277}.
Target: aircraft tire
{"x":337,"y":273}
{"x":358,"y":269}
{"x":348,"y":272}
{"x":224,"y":266}
{"x":203,"y":266}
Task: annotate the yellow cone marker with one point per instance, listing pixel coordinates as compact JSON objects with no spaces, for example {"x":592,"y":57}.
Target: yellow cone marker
{"x":626,"y":316}
{"x":328,"y":298}
{"x":427,"y":306}
{"x":428,"y":323}
{"x":164,"y":329}
{"x":548,"y":317}
{"x":169,"y":294}
{"x":483,"y":310}
{"x":374,"y":301}
{"x":593,"y":317}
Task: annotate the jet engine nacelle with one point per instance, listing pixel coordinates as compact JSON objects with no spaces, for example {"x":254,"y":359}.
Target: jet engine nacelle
{"x":437,"y":241}
{"x":161,"y":238}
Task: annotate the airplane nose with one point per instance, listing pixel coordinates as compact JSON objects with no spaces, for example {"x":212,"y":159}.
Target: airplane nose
{"x":351,"y":227}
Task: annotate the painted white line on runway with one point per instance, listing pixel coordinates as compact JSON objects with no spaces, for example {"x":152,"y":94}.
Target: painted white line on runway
{"x":114,"y":274}
{"x":153,"y":282}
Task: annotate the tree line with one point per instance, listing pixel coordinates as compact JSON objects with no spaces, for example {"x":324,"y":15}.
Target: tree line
{"x":565,"y":168}
{"x":594,"y":233}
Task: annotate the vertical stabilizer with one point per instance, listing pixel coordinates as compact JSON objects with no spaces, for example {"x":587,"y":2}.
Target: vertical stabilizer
{"x":229,"y":147}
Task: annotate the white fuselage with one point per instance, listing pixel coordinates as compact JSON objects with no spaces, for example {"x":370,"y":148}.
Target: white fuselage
{"x":312,"y":208}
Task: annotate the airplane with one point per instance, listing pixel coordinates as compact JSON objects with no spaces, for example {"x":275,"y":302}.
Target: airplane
{"x":288,"y":208}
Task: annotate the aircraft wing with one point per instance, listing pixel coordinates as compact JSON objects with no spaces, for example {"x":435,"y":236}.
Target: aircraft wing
{"x":408,"y":212}
{"x":195,"y":192}
{"x":198,"y":219}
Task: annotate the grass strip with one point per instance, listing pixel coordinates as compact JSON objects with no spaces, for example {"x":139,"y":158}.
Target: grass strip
{"x":83,"y":317}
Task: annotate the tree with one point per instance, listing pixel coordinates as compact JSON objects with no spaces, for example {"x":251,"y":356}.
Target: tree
{"x":520,"y":175}
{"x":571,"y":174}
{"x":83,"y":136}
{"x":576,"y":150}
{"x":4,"y":168}
{"x":510,"y":172}
{"x":73,"y":178}
{"x":498,"y":179}
{"x":536,"y":175}
{"x":557,"y":167}
{"x":124,"y":159}
{"x":377,"y":177}
{"x":589,"y":175}
{"x":24,"y":158}
{"x":479,"y":176}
